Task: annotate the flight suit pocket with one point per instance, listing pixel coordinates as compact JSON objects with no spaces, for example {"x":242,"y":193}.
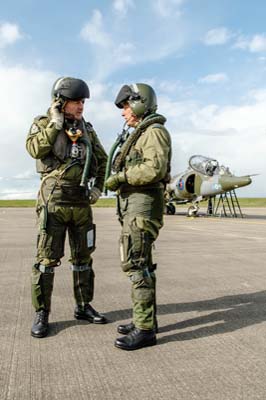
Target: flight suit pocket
{"x":123,"y":203}
{"x":35,"y":276}
{"x":42,"y":240}
{"x":124,"y":244}
{"x":50,"y":245}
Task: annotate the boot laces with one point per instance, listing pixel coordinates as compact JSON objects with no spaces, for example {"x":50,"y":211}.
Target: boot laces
{"x":42,"y":317}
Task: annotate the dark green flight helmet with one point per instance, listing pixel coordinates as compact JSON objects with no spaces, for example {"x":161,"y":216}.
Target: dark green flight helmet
{"x":70,"y":89}
{"x":140,"y":97}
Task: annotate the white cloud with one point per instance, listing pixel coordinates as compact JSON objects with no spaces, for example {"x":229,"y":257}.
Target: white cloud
{"x":168,"y":8}
{"x":11,"y":193}
{"x":9,"y":34}
{"x":115,"y":43}
{"x":93,"y":32}
{"x":25,"y":175}
{"x":22,"y":87}
{"x":256,"y":44}
{"x":122,"y":6}
{"x":214,"y":78}
{"x":124,"y":53}
{"x":171,"y":87}
{"x":109,"y":53}
{"x":28,"y":94}
{"x":217,"y":36}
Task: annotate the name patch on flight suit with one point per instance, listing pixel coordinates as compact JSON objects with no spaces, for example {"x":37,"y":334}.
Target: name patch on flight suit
{"x":91,"y":237}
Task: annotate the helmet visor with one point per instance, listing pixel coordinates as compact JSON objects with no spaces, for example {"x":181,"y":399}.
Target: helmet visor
{"x":126,"y":93}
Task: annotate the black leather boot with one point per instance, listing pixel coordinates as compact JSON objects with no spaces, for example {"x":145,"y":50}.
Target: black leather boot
{"x":89,"y":314}
{"x":124,"y":329}
{"x":40,"y":325}
{"x":136,"y":339}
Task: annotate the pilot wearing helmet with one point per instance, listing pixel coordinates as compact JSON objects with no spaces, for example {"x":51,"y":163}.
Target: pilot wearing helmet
{"x":68,"y":155}
{"x":141,"y":169}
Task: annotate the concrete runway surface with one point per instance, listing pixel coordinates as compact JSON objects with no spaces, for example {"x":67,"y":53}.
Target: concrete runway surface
{"x":211,"y":311}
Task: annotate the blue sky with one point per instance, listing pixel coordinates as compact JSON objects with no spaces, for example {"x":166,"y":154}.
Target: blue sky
{"x":206,"y":59}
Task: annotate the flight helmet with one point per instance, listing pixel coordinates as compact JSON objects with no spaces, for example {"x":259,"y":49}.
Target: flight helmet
{"x":70,"y":89}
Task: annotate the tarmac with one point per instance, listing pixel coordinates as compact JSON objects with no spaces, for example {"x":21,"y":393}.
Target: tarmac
{"x":211,"y":310}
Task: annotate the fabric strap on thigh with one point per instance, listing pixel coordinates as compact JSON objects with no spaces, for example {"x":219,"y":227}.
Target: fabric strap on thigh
{"x":80,"y":268}
{"x":45,"y":270}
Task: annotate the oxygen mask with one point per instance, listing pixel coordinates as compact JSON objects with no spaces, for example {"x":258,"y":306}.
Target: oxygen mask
{"x":74,"y":133}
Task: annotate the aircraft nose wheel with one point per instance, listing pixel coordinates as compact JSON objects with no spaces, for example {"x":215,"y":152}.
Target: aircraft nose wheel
{"x":170,"y":209}
{"x":192,"y":211}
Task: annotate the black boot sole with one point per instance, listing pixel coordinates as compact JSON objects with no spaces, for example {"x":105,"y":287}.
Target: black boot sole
{"x":148,"y":344}
{"x":38,"y":335}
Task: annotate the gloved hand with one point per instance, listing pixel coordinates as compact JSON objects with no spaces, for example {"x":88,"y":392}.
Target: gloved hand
{"x":114,"y":181}
{"x":95,"y":193}
{"x":168,"y":188}
{"x":56,"y":114}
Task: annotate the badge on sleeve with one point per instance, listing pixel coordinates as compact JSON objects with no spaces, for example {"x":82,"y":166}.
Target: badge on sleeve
{"x":34,"y":129}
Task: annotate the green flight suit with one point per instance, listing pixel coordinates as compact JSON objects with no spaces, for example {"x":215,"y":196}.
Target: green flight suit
{"x":63,"y":206}
{"x":145,"y":157}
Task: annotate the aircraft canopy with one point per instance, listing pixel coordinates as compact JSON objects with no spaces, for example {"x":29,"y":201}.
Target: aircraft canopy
{"x":204,"y":165}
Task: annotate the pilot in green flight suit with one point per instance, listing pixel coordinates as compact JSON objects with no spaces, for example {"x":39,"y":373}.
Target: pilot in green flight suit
{"x":142,"y":169}
{"x":68,"y":154}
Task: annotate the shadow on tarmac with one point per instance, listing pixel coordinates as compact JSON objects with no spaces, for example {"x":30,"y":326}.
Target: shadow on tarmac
{"x":56,"y":327}
{"x":230,"y":313}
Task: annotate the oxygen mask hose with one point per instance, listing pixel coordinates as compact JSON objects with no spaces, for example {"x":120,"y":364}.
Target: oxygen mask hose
{"x":86,"y":168}
{"x":121,"y":138}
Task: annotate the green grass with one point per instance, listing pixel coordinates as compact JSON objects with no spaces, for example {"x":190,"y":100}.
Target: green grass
{"x":31,"y":203}
{"x":244,"y":202}
{"x":17,"y":203}
{"x":253,"y":202}
{"x":105,"y":203}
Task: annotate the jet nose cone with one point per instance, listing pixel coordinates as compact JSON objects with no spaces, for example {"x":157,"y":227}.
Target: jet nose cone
{"x":248,"y":180}
{"x":234,"y":182}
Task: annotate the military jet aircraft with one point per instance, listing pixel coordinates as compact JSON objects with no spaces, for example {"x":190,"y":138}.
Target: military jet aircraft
{"x":203,"y":180}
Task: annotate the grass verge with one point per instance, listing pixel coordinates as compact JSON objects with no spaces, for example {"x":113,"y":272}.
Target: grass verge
{"x":110,"y":202}
{"x":31,"y":203}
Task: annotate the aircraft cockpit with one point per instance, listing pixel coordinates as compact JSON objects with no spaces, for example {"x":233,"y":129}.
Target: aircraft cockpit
{"x":204,"y":165}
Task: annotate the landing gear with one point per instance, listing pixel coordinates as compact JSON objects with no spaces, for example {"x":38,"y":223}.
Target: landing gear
{"x":193,"y":210}
{"x":170,"y":209}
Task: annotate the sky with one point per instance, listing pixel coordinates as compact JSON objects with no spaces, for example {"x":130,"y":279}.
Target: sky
{"x":206,"y":60}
